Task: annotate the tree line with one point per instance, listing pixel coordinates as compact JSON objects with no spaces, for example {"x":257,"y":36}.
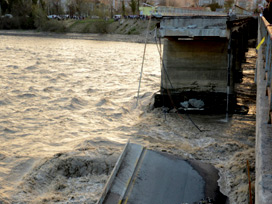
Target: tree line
{"x":84,"y":7}
{"x":29,"y":14}
{"x":71,"y":7}
{"x":24,"y":7}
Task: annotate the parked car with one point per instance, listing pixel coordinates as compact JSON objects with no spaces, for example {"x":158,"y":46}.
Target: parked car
{"x":58,"y":17}
{"x":133,"y":16}
{"x":7,"y":16}
{"x":117,"y":17}
{"x":52,"y":16}
{"x":94,"y":17}
{"x":64,"y":17}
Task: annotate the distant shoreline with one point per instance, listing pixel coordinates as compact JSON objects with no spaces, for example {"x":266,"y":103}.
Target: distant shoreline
{"x":123,"y":31}
{"x":80,"y":36}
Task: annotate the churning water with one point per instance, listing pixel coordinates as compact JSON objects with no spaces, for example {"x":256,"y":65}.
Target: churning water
{"x":67,"y":107}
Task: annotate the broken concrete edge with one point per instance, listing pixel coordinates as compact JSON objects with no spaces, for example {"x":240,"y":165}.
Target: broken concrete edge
{"x":132,"y":174}
{"x":263,"y":188}
{"x":211,"y":176}
{"x":206,"y":170}
{"x":113,"y":174}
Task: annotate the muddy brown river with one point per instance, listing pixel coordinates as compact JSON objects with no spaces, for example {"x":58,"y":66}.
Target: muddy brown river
{"x":68,"y":106}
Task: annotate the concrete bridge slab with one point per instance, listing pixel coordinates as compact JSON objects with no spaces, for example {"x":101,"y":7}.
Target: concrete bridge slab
{"x":147,"y":176}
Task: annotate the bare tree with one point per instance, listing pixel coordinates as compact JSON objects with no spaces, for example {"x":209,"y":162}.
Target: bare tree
{"x":4,"y":6}
{"x":54,"y":7}
{"x":123,"y":8}
{"x":162,"y":2}
{"x":80,"y":7}
{"x":21,"y":7}
{"x":196,"y":3}
{"x":173,"y":3}
{"x":71,"y":7}
{"x":228,"y":4}
{"x":133,"y":6}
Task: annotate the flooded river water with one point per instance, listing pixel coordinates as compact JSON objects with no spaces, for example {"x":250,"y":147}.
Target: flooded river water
{"x":68,"y":106}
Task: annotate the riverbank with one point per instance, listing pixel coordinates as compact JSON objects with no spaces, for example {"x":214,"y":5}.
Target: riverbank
{"x":123,"y":31}
{"x":81,"y":36}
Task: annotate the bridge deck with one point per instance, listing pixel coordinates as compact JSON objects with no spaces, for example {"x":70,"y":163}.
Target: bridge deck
{"x":147,"y":176}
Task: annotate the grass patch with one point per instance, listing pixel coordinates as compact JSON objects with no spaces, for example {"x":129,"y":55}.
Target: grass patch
{"x":133,"y":31}
{"x":41,"y":23}
{"x":89,"y":26}
{"x":54,"y":26}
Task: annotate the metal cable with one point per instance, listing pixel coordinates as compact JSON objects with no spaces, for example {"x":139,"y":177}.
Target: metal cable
{"x":141,"y":74}
{"x":168,"y":92}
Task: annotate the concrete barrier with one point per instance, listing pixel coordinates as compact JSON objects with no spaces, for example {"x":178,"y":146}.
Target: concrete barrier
{"x":263,"y":186}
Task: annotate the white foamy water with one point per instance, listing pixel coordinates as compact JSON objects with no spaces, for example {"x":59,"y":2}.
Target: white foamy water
{"x":67,"y":107}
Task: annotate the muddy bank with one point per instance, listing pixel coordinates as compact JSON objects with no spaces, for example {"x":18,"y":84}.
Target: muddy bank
{"x":97,"y":37}
{"x":123,"y":31}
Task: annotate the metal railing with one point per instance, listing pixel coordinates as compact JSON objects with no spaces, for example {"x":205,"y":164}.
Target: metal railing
{"x":265,"y":35}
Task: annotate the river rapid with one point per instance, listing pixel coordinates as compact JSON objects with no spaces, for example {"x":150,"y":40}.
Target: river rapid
{"x":68,"y":106}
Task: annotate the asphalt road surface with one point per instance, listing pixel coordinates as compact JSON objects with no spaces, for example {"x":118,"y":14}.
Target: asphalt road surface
{"x":149,"y":177}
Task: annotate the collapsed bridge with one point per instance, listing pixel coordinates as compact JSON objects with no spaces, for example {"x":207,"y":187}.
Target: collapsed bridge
{"x":146,"y":176}
{"x":202,"y":59}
